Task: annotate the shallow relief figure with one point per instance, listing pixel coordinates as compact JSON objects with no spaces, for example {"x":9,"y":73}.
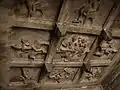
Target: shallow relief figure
{"x":27,"y":8}
{"x":87,"y":12}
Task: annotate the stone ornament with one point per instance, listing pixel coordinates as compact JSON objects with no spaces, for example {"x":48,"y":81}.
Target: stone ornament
{"x":32,"y":49}
{"x":62,"y":74}
{"x":96,"y":73}
{"x":87,"y":11}
{"x":106,"y":48}
{"x":28,"y":8}
{"x":74,"y":47}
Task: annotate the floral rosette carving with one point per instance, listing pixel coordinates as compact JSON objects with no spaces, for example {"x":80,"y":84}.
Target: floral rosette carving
{"x":74,"y":47}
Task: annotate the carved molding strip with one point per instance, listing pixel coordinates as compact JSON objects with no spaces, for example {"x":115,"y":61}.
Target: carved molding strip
{"x":94,"y":63}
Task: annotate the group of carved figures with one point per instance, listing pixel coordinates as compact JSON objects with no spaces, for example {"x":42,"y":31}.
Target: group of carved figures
{"x":74,"y":47}
{"x":61,"y":74}
{"x":32,"y":49}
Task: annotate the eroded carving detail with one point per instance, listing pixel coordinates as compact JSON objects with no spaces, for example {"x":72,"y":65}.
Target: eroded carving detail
{"x":87,"y":12}
{"x":106,"y":48}
{"x":31,"y":50}
{"x":27,"y":76}
{"x":74,"y":47}
{"x":96,"y":74}
{"x":28,"y":8}
{"x":62,"y":74}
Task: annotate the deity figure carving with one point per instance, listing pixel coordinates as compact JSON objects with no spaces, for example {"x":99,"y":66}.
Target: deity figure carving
{"x":87,"y":12}
{"x":74,"y":47}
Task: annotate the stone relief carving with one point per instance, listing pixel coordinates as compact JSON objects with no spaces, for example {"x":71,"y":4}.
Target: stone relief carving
{"x":25,"y":76}
{"x":86,"y":13}
{"x":106,"y":48}
{"x":28,"y":8}
{"x":31,"y":50}
{"x":96,"y":74}
{"x":74,"y":47}
{"x":62,"y":74}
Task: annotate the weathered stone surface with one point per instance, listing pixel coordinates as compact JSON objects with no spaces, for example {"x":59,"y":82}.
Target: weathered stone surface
{"x":47,"y":52}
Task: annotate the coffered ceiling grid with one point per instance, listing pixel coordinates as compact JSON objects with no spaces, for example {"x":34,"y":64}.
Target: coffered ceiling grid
{"x":55,"y":45}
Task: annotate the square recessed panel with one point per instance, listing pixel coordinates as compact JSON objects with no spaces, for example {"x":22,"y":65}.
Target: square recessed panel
{"x":28,"y":46}
{"x":23,"y":76}
{"x":106,"y":50}
{"x":59,"y":75}
{"x":73,"y":48}
{"x":85,"y":14}
{"x":97,"y":73}
{"x":32,"y":13}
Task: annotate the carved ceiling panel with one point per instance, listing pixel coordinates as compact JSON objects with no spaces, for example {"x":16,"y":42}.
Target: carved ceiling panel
{"x":33,"y":13}
{"x":106,"y":50}
{"x":73,"y":48}
{"x":28,"y":45}
{"x":95,"y":76}
{"x":88,"y":14}
{"x":60,"y":75}
{"x":24,"y":76}
{"x":74,"y":55}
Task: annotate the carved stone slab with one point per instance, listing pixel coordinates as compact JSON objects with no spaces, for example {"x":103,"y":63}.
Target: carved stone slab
{"x":94,"y":77}
{"x":60,"y":75}
{"x":28,"y":45}
{"x":106,"y":50}
{"x":33,"y":13}
{"x":73,"y":48}
{"x":86,"y":16}
{"x":24,"y":76}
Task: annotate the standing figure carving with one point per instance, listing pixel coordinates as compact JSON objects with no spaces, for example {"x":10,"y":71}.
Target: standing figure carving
{"x":87,"y":11}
